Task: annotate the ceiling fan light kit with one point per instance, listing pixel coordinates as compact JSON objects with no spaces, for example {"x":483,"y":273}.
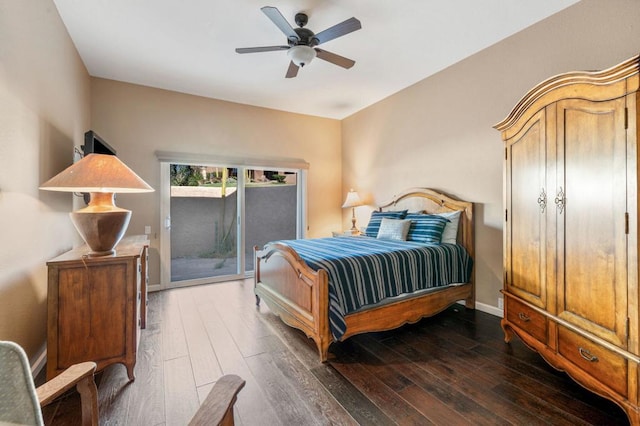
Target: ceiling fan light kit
{"x":301,"y":42}
{"x":301,"y":55}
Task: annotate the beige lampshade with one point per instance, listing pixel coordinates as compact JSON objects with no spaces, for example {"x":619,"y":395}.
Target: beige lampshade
{"x":353,"y":200}
{"x":97,"y":173}
{"x":101,"y":224}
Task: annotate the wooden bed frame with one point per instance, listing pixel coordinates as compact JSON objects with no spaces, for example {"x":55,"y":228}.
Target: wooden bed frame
{"x":300,"y":295}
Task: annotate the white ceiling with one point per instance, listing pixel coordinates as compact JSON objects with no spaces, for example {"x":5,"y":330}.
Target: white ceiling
{"x":188,"y":46}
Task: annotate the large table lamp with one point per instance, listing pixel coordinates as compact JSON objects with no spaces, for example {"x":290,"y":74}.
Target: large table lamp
{"x":101,"y":224}
{"x":353,"y":201}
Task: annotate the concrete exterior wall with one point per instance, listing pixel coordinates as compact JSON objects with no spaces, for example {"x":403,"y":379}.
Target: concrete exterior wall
{"x":270,"y":214}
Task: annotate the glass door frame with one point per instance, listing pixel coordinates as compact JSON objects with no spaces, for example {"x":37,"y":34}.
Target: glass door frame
{"x":242,"y":165}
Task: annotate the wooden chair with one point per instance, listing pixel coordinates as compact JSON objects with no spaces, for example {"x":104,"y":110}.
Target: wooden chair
{"x":21,"y":401}
{"x":217,"y":408}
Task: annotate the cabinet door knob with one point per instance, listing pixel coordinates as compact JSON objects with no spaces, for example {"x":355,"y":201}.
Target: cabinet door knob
{"x":524,"y":317}
{"x":584,"y":353}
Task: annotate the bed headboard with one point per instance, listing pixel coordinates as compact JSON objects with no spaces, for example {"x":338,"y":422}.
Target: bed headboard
{"x":430,"y":201}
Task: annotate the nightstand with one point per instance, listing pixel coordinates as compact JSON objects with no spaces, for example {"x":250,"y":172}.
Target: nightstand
{"x":347,"y":233}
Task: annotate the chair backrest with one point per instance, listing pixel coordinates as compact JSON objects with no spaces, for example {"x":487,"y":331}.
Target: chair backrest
{"x":18,"y":400}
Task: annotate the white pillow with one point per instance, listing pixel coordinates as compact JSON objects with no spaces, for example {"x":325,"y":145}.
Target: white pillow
{"x":450,"y":233}
{"x":393,"y":229}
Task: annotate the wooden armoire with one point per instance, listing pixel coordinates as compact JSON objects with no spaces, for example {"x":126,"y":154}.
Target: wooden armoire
{"x":571,"y":228}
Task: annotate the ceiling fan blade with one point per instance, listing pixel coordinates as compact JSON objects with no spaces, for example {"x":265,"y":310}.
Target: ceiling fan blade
{"x":338,"y":60}
{"x":345,"y":27}
{"x":274,"y":14}
{"x":260,"y":49}
{"x":292,"y":71}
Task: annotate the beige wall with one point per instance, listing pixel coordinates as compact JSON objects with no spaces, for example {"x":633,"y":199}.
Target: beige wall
{"x":137,"y":121}
{"x":438,"y":133}
{"x":44,"y":111}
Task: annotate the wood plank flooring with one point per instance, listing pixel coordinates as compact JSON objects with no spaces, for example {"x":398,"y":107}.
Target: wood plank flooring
{"x":453,"y":368}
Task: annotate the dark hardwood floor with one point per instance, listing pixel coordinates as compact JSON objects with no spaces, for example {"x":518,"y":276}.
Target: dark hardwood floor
{"x":453,"y":368}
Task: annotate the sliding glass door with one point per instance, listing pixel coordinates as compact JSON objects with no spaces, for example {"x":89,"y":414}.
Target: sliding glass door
{"x":204,"y":231}
{"x":214,"y":214}
{"x":271,"y":199}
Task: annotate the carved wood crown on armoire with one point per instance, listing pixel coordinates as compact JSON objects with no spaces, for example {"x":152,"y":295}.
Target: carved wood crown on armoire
{"x":571,"y":228}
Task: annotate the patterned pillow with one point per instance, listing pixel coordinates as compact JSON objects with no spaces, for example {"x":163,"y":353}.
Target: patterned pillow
{"x":376,"y":218}
{"x":393,"y":229}
{"x":426,"y":228}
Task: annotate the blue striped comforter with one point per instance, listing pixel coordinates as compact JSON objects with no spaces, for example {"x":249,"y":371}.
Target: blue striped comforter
{"x":364,"y":271}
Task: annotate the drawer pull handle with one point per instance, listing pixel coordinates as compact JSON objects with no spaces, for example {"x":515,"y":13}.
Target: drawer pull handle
{"x":524,"y":317}
{"x":584,"y":353}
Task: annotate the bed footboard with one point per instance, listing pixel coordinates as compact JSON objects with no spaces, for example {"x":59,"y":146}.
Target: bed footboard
{"x":294,"y":292}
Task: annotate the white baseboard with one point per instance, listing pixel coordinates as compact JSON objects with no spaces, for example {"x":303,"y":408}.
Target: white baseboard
{"x":483,"y":307}
{"x":489,"y":309}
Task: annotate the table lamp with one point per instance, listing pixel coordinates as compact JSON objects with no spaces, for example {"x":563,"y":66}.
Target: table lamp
{"x":101,"y":224}
{"x":353,"y":201}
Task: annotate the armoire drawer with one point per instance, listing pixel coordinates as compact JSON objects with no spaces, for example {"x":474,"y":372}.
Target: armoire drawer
{"x":608,"y":367}
{"x":527,"y":319}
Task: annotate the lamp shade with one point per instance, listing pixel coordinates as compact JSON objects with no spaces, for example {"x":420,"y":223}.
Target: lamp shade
{"x":97,"y":173}
{"x":301,"y":55}
{"x":353,"y":200}
{"x":101,"y":224}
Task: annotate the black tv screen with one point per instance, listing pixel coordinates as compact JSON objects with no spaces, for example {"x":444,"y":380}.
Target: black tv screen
{"x":95,"y":144}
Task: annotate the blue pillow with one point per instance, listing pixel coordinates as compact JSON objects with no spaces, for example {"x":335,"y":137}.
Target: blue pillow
{"x":426,"y":228}
{"x":376,"y":219}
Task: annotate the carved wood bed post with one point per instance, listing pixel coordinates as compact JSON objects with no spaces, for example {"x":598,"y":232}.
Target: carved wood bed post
{"x":321,"y":306}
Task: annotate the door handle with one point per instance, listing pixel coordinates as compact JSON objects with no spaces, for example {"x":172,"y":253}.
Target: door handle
{"x":542,"y":200}
{"x":560,"y":200}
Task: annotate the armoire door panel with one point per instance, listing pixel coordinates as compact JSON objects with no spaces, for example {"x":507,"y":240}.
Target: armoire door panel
{"x":590,"y":215}
{"x":527,"y":203}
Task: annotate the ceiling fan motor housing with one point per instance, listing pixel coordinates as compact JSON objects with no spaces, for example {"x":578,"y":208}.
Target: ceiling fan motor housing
{"x":307,"y":38}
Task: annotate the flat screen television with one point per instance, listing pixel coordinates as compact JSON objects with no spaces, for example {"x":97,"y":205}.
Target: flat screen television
{"x":95,"y":144}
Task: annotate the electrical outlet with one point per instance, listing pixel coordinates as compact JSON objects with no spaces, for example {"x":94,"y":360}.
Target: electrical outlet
{"x":500,"y":303}
{"x":147,"y":229}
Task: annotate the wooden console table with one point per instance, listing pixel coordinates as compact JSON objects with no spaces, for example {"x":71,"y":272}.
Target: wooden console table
{"x":96,"y":306}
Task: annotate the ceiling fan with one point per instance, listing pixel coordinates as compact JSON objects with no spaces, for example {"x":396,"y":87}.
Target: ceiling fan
{"x":302,"y":42}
